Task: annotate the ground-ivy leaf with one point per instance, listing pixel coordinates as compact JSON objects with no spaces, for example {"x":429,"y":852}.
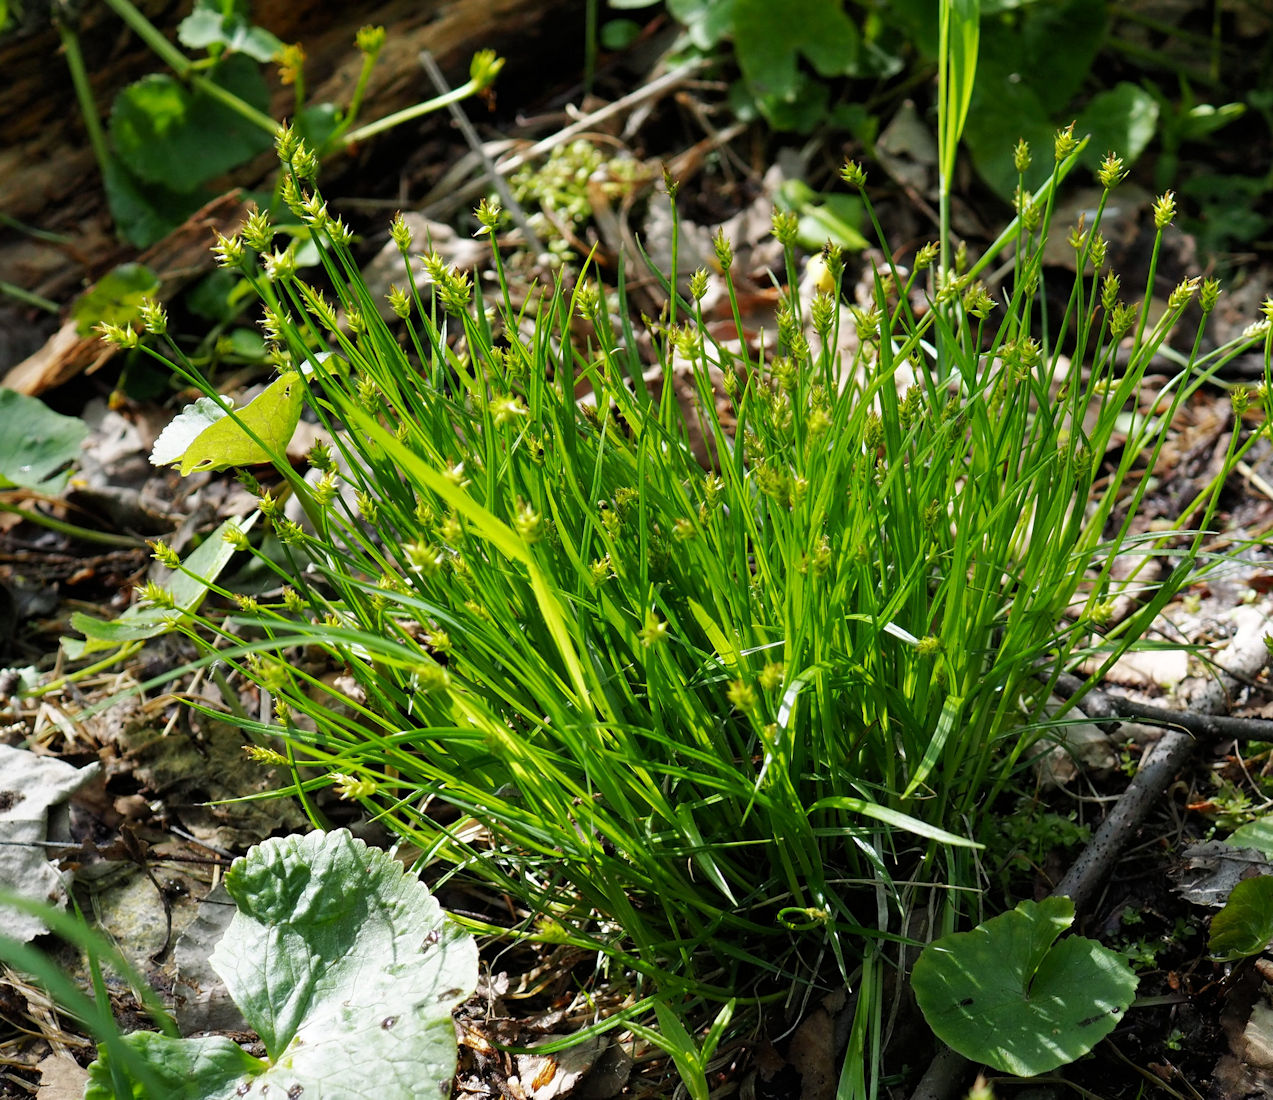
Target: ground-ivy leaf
{"x":1122,"y":120}
{"x":1007,"y":994}
{"x":166,"y":134}
{"x":1244,"y":926}
{"x":342,"y":962}
{"x":1257,"y":834}
{"x":115,"y":298}
{"x":186,"y":588}
{"x":225,"y":441}
{"x":205,"y":27}
{"x":187,"y":1069}
{"x":769,"y":39}
{"x":36,"y":443}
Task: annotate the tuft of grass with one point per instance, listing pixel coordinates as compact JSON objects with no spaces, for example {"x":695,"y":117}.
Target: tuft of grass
{"x":718,"y":685}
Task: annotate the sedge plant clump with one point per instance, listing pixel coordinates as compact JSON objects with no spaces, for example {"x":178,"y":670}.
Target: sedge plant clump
{"x":729,"y":723}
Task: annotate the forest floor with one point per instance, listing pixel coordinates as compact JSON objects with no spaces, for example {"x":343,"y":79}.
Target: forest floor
{"x":144,"y":832}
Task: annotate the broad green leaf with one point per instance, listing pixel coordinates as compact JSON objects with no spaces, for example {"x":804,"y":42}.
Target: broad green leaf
{"x":1058,"y":43}
{"x":705,"y":21}
{"x":1007,"y":994}
{"x":225,"y":441}
{"x":184,"y":428}
{"x":1122,"y":120}
{"x":166,"y":134}
{"x":186,"y":587}
{"x":36,"y":444}
{"x":1244,"y":926}
{"x":342,"y":961}
{"x":770,"y":38}
{"x":316,"y":124}
{"x":186,"y":1069}
{"x":204,"y":27}
{"x":1256,"y":834}
{"x":115,"y":298}
{"x":347,"y":968}
{"x":147,"y":212}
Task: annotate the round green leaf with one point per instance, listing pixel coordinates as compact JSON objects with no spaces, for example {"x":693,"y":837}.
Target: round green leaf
{"x":205,"y":27}
{"x":168,"y":135}
{"x":342,"y":961}
{"x":1122,"y":120}
{"x":1244,"y":926}
{"x":1256,"y":834}
{"x":36,"y":443}
{"x":115,"y":298}
{"x":1009,"y":995}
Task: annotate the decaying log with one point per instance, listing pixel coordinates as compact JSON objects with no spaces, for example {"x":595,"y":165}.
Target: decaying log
{"x":49,"y":178}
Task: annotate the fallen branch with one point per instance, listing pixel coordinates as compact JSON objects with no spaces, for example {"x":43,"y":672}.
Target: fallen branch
{"x":1104,"y":706}
{"x":1158,"y":767}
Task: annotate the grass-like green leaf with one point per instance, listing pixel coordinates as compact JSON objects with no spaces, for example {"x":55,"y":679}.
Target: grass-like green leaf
{"x":186,"y":589}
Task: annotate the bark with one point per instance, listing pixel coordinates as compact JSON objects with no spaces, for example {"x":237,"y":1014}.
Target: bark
{"x":49,"y":178}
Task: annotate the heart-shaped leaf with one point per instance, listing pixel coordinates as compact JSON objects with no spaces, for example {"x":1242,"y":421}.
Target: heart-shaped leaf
{"x":347,"y":968}
{"x":205,"y":437}
{"x":1244,"y":926}
{"x":166,"y":134}
{"x":1009,"y":995}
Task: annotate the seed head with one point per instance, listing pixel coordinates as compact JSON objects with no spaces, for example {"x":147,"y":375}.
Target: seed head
{"x":1183,"y":293}
{"x":399,"y":301}
{"x":120,"y":336}
{"x":228,"y":250}
{"x":164,"y":554}
{"x":853,"y":174}
{"x":1021,"y":156}
{"x":1065,"y":143}
{"x":723,"y":249}
{"x":786,"y":226}
{"x":1109,"y":291}
{"x":653,"y":632}
{"x":1210,"y":293}
{"x":349,"y":788}
{"x":154,"y":317}
{"x":401,"y":233}
{"x":1111,"y":172}
{"x":370,"y":40}
{"x":1164,"y":210}
{"x":742,"y":696}
{"x":488,"y":213}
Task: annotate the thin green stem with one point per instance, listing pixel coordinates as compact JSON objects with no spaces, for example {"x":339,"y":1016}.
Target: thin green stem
{"x":84,"y":95}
